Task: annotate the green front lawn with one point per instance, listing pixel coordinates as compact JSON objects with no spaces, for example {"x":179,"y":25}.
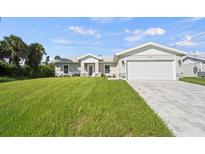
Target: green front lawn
{"x":195,"y":80}
{"x":75,"y":107}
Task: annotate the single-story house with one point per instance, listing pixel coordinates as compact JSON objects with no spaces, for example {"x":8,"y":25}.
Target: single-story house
{"x":149,"y":61}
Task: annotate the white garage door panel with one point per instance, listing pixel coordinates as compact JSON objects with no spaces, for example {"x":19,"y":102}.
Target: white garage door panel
{"x":150,"y":70}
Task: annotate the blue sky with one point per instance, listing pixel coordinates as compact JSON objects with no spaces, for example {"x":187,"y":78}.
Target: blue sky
{"x":105,"y":36}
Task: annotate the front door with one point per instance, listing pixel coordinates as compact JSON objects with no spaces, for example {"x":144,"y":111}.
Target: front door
{"x":90,"y":70}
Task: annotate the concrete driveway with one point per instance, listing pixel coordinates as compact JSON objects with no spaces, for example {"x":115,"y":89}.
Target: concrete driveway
{"x":181,"y":105}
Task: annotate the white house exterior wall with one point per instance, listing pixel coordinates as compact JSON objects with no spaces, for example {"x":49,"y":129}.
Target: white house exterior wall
{"x":112,"y":68}
{"x":58,"y":69}
{"x":120,"y":68}
{"x":153,"y":52}
{"x":72,"y":67}
{"x":188,"y":70}
{"x":179,"y":70}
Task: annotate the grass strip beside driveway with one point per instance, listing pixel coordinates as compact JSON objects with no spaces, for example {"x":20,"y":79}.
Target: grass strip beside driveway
{"x":200,"y":81}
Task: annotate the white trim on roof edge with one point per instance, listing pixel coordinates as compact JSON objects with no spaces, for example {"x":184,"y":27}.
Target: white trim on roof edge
{"x":89,"y":54}
{"x":153,"y":44}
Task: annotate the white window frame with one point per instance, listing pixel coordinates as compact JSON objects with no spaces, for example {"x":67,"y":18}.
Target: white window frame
{"x":110,"y":68}
{"x":64,"y":69}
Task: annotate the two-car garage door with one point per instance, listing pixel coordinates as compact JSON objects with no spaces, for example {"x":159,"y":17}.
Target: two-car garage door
{"x":150,"y":70}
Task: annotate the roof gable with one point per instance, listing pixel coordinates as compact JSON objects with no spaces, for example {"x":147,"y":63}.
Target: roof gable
{"x":89,"y":55}
{"x":151,"y":45}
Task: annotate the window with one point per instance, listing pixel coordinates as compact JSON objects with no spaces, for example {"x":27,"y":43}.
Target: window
{"x":65,"y":68}
{"x":107,"y":68}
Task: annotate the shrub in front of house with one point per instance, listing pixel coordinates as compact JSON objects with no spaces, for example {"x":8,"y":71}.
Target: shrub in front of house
{"x":25,"y":71}
{"x":46,"y":71}
{"x":14,"y":71}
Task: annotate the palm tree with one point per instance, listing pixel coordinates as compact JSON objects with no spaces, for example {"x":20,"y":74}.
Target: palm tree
{"x":47,"y":60}
{"x":14,"y":48}
{"x":35,"y":55}
{"x":4,"y":53}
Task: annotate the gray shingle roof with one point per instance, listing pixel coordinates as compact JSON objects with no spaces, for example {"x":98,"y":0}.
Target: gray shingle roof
{"x":75,"y":59}
{"x":107,"y":58}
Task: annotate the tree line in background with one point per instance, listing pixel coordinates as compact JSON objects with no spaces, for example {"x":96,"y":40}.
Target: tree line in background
{"x":17,"y":59}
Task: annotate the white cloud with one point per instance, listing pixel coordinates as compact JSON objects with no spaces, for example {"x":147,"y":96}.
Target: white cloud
{"x":190,"y":20}
{"x":126,"y":30}
{"x":186,"y":41}
{"x":81,"y":30}
{"x":137,"y":34}
{"x":195,"y":19}
{"x":133,"y":38}
{"x":84,"y":31}
{"x":61,"y":41}
{"x":134,"y":35}
{"x":155,"y":31}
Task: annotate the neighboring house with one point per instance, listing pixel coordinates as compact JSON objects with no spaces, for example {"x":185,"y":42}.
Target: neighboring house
{"x":191,"y":65}
{"x":150,"y":61}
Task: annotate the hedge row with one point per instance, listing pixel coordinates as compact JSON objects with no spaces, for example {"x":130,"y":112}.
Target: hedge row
{"x":24,"y":71}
